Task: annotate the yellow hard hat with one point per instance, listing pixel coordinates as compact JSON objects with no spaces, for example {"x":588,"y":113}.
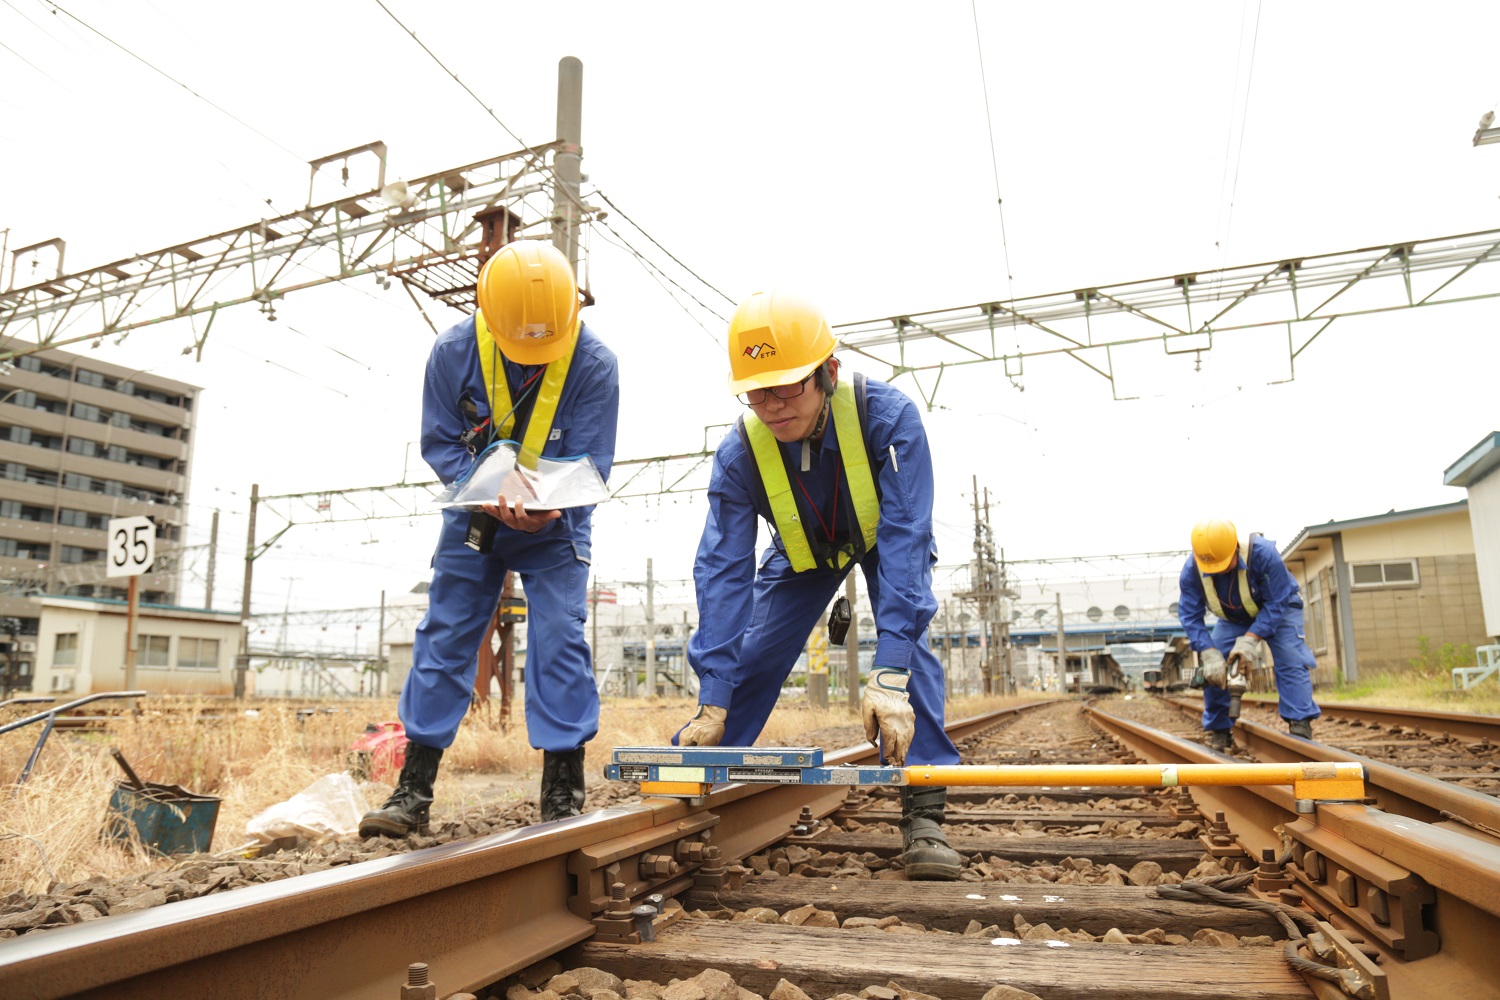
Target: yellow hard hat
{"x":529,"y":300}
{"x":776,"y":338}
{"x":1215,"y":543}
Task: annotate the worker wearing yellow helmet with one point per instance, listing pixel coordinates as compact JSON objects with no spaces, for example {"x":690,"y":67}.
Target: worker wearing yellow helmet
{"x":840,"y":469}
{"x":1255,"y":599}
{"x":523,"y":369}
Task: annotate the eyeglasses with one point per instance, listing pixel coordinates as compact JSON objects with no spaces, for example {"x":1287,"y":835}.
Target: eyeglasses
{"x":753,"y":397}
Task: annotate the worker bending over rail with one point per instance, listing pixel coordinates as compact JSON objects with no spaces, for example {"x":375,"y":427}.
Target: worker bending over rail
{"x":839,"y":466}
{"x":1255,"y":597}
{"x":524,"y":367}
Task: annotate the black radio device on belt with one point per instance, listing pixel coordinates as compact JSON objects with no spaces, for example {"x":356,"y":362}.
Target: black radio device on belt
{"x":838,"y":622}
{"x":480,"y":535}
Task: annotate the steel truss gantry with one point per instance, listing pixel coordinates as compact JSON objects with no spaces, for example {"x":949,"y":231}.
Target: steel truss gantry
{"x":1182,"y":313}
{"x":430,"y":233}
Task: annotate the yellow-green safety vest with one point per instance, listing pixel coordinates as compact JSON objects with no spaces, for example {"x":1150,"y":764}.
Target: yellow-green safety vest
{"x":502,"y":410}
{"x":1212,"y":595}
{"x":802,"y":552}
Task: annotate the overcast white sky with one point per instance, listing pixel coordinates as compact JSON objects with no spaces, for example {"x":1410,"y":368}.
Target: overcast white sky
{"x":841,"y":147}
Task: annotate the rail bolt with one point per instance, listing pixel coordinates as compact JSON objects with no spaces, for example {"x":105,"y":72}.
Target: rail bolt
{"x":418,"y":986}
{"x":806,"y":823}
{"x":691,"y":851}
{"x":658,"y":865}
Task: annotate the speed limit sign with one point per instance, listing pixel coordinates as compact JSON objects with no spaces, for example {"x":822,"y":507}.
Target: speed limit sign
{"x":132,"y":546}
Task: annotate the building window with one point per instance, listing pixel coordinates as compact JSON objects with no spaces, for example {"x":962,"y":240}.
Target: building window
{"x":90,"y":378}
{"x":65,"y":652}
{"x":25,"y":398}
{"x":198,"y":654}
{"x":10,"y":548}
{"x":86,"y":411}
{"x":155,"y":651}
{"x":83,"y":446}
{"x":77,"y":554}
{"x":1394,"y":573}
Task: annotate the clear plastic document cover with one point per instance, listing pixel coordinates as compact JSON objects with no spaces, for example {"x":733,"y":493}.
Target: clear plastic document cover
{"x":555,"y":483}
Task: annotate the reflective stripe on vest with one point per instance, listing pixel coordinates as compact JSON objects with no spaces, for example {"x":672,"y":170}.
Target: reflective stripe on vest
{"x":1212,"y":595}
{"x":772,"y":464}
{"x":539,"y":424}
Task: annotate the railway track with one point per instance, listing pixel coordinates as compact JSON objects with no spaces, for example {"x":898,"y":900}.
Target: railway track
{"x":1066,"y":893}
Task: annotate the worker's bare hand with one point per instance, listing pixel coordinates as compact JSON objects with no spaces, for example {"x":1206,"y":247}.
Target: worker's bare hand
{"x":519,"y":518}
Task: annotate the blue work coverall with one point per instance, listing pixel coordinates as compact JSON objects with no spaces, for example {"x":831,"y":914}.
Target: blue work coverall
{"x":562,"y":704}
{"x":1279,"y":623}
{"x":753,"y":624}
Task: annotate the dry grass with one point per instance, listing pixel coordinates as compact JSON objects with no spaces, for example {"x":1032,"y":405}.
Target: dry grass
{"x":50,"y":826}
{"x":1412,"y":690}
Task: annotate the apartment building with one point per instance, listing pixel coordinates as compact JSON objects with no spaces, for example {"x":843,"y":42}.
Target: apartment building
{"x":82,"y":441}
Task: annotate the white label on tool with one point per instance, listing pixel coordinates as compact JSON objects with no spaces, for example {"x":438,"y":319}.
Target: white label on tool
{"x":775,"y":775}
{"x":1168,"y":775}
{"x":681,"y":774}
{"x":652,"y":757}
{"x":843,"y":775}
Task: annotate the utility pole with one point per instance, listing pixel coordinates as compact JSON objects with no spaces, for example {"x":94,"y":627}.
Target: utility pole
{"x":851,"y":641}
{"x":947,"y":649}
{"x":985,"y":591}
{"x":594,"y":629}
{"x":650,"y":631}
{"x":242,"y":662}
{"x":382,"y":679}
{"x":1062,"y":648}
{"x":213,"y":562}
{"x":567,"y":166}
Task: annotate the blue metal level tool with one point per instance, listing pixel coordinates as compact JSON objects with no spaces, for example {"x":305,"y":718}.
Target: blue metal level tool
{"x":690,"y":770}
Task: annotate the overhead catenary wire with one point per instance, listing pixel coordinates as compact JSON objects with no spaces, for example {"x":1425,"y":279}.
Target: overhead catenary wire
{"x":621,"y":213}
{"x":989,"y":120}
{"x":163,"y":73}
{"x":1228,"y":209}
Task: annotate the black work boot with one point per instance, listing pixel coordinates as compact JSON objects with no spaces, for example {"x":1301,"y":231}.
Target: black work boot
{"x":562,"y":784}
{"x":1221,"y":740}
{"x":925,"y":851}
{"x":406,"y":810}
{"x":1300,"y":727}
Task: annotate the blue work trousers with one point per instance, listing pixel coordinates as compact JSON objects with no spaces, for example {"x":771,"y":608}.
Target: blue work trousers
{"x":788,"y":605}
{"x":562,"y":704}
{"x":1292,"y":663}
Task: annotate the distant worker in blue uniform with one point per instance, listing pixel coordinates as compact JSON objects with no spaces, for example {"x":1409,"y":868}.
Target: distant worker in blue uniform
{"x":523,"y":368}
{"x":1255,"y":598}
{"x":840,"y":469}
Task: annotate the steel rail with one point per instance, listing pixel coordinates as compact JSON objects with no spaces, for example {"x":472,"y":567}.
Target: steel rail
{"x":1395,"y":789}
{"x":474,"y":911}
{"x":1459,"y":724}
{"x":1362,"y":851}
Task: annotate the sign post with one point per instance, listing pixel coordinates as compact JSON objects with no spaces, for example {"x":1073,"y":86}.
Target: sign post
{"x":132,"y":549}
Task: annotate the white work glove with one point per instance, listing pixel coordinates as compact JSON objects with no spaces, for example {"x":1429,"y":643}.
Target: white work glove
{"x":888,"y":714}
{"x":1214,"y":667}
{"x":1245,"y":649}
{"x":706,"y":729}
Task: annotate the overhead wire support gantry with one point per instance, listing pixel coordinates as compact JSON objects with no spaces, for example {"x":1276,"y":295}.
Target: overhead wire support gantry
{"x":1182,"y":313}
{"x":430,"y":233}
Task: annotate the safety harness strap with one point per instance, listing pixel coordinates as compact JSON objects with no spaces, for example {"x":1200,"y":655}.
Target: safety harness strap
{"x":1243,"y":578}
{"x":802,"y":551}
{"x":539,"y":424}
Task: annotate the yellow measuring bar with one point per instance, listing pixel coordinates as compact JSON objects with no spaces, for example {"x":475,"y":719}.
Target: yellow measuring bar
{"x":1309,"y":780}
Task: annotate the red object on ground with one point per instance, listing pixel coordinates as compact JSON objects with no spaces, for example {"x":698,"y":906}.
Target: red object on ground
{"x":379,"y":753}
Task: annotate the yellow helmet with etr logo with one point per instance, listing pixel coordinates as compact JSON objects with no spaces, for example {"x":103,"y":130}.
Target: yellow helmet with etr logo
{"x":529,"y":301}
{"x":776,"y":338}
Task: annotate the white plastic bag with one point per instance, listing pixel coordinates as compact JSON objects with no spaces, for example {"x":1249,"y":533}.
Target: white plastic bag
{"x":555,"y":483}
{"x":330,"y":807}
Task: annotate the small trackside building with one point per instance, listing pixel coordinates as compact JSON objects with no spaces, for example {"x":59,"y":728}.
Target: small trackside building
{"x":81,"y":647}
{"x":1373,"y":587}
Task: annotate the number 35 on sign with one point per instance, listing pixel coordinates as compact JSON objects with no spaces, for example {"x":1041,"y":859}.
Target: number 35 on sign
{"x":132,"y":546}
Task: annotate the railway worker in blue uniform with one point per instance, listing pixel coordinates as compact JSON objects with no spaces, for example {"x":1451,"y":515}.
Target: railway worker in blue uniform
{"x":1249,"y":589}
{"x":523,"y":368}
{"x":839,"y":467}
